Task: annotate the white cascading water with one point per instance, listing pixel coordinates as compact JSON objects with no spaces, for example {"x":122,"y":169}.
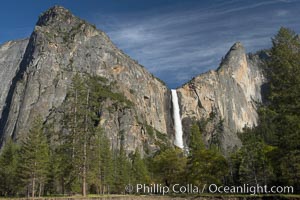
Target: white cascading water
{"x":177,"y":120}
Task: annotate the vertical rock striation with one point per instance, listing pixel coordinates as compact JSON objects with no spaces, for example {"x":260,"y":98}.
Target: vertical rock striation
{"x":226,"y":98}
{"x":35,"y":76}
{"x":11,"y":54}
{"x":62,"y":45}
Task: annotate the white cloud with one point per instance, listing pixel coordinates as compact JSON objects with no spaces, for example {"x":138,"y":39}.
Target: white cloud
{"x":281,"y":13}
{"x":178,"y":43}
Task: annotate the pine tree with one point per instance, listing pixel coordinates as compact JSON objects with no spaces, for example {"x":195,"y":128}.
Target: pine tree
{"x":234,"y":163}
{"x":33,"y":164}
{"x":107,"y":165}
{"x":290,"y":168}
{"x":8,"y":165}
{"x":83,"y":107}
{"x":205,"y":166}
{"x":284,"y":69}
{"x":284,"y":104}
{"x":71,"y":148}
{"x":79,"y":122}
{"x":255,"y":165}
{"x":196,"y":140}
{"x":123,"y":171}
{"x":139,"y":169}
{"x":101,"y":164}
{"x":169,"y":166}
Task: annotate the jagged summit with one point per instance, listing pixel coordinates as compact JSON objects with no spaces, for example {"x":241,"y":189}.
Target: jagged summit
{"x":236,"y":51}
{"x":230,"y":92}
{"x":57,"y":9}
{"x":233,"y":57}
{"x":59,"y":25}
{"x":237,"y":46}
{"x":60,"y":22}
{"x":61,"y":46}
{"x":56,"y":13}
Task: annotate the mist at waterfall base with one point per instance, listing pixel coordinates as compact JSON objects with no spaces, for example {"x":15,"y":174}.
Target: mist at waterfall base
{"x":177,"y":120}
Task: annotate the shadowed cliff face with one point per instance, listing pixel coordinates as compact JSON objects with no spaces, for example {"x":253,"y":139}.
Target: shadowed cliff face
{"x":37,"y":73}
{"x":226,"y":98}
{"x":62,"y":45}
{"x":11,"y":54}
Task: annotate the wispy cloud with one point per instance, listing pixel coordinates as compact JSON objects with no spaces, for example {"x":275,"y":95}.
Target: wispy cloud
{"x":176,"y":43}
{"x":281,"y":13}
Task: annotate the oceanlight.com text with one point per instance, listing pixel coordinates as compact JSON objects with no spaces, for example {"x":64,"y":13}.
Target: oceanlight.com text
{"x":212,"y":189}
{"x":253,"y":189}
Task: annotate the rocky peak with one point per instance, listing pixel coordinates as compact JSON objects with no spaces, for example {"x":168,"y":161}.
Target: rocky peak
{"x":63,"y":45}
{"x":53,"y":15}
{"x":58,"y":21}
{"x":237,"y":46}
{"x":229,"y":94}
{"x":234,"y":57}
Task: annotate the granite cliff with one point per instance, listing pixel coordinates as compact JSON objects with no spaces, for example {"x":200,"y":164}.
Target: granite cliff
{"x":225,"y":100}
{"x":37,"y":72}
{"x":11,"y":54}
{"x":60,"y":46}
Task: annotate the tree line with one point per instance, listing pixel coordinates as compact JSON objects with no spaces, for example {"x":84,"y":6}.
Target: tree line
{"x":271,"y":151}
{"x":81,"y":159}
{"x":78,"y":159}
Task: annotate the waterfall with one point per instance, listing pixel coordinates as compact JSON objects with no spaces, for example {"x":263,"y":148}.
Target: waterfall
{"x":177,"y":120}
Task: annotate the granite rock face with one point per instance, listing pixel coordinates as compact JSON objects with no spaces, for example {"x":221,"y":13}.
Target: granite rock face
{"x":11,"y":54}
{"x":37,"y":73}
{"x":62,"y":45}
{"x":226,"y":99}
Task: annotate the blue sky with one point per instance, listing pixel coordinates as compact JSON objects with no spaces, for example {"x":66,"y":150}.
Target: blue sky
{"x":174,"y":39}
